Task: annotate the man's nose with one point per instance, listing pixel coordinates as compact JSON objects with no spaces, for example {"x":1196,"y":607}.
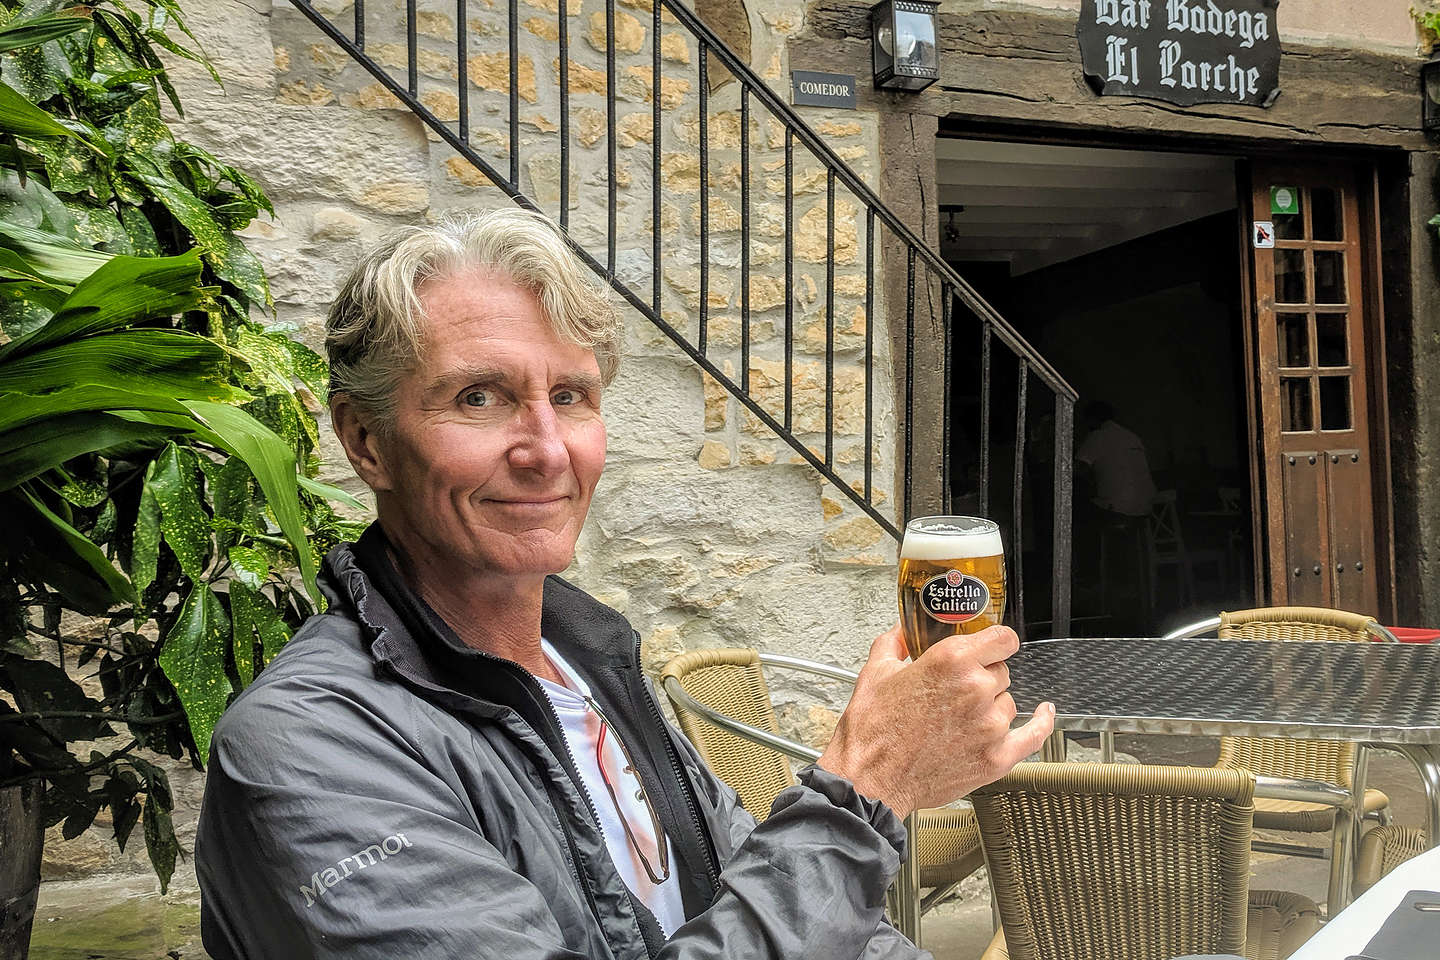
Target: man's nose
{"x":537,"y":443}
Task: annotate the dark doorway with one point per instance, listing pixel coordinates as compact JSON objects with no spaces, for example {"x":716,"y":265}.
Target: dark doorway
{"x":1123,"y":269}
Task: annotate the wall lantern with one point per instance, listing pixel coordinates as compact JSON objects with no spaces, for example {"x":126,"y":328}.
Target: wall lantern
{"x":1430,"y":95}
{"x":903,"y":47}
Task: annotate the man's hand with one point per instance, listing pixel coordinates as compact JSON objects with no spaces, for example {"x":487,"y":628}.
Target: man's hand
{"x":925,"y":733}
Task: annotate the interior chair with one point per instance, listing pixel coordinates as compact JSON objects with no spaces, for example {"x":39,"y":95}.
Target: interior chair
{"x":1129,"y":862}
{"x":1165,"y":547}
{"x":1340,"y":763}
{"x":1383,"y":849}
{"x":723,"y":704}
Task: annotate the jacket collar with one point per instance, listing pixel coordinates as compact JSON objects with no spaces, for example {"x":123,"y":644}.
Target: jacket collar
{"x":406,"y":633}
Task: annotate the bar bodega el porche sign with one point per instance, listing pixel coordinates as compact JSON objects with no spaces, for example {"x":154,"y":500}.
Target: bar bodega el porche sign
{"x":1182,"y":51}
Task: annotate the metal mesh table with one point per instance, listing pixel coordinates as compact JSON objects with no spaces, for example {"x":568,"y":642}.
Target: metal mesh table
{"x":1384,"y":694}
{"x":1372,"y":692}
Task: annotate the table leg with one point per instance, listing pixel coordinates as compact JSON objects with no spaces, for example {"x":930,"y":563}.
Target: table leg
{"x":1426,"y":757}
{"x":1053,"y":751}
{"x":907,"y":883}
{"x":1337,"y":895}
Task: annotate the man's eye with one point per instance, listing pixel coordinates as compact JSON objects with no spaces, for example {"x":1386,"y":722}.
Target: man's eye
{"x":478,"y":398}
{"x":565,"y":397}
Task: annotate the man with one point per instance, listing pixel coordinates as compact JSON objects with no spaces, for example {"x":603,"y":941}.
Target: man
{"x":461,"y":758}
{"x":1116,"y":463}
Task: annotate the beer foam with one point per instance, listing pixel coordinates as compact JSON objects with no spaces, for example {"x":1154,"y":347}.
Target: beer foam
{"x":959,"y":545}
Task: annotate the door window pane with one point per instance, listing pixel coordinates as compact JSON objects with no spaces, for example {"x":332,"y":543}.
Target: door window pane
{"x":1289,"y":276}
{"x":1293,"y":337}
{"x":1295,"y":416}
{"x":1329,"y":276}
{"x":1334,"y":403}
{"x":1331,"y":339}
{"x":1326,"y":220}
{"x":1290,"y":226}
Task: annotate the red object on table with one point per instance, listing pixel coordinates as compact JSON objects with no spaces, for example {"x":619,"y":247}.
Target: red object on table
{"x":1415,"y":634}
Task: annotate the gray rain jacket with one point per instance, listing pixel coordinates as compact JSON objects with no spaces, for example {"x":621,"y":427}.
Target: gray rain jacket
{"x":383,"y":791}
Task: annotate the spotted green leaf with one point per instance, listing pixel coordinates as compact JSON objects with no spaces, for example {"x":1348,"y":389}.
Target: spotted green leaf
{"x":272,"y":461}
{"x":160,"y":842}
{"x":78,"y":553}
{"x":145,"y":545}
{"x":193,"y":658}
{"x":249,"y":566}
{"x":21,"y":118}
{"x":183,"y":522}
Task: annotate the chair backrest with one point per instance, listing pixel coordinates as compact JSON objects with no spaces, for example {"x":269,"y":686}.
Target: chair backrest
{"x":730,"y":681}
{"x":1163,"y":526}
{"x":1118,"y":861}
{"x":1331,"y":761}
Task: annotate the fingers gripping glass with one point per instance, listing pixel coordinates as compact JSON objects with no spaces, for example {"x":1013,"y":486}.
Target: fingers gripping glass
{"x":663,"y":874}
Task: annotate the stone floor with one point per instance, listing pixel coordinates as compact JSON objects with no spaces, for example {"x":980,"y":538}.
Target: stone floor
{"x":126,"y":918}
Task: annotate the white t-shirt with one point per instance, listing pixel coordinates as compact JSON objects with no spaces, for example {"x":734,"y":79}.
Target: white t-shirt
{"x":582,"y":731}
{"x":1122,"y":473}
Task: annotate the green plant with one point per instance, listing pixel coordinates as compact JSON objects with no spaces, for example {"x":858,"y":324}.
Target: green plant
{"x":156,"y":444}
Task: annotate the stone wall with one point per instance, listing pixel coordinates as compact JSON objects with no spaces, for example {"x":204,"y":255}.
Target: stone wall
{"x":706,"y":530}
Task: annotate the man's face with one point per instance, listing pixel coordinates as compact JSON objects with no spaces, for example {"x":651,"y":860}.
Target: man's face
{"x":498,"y":439}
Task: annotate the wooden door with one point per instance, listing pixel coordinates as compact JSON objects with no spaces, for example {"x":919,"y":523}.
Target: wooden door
{"x":1312,"y":385}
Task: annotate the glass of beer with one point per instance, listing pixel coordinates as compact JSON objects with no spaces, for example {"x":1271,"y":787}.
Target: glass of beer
{"x":952,"y":579}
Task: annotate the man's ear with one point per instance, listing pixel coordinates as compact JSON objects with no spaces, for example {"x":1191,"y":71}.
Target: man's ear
{"x":357,"y":434}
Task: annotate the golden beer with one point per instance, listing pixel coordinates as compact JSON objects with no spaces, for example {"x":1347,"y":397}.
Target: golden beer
{"x":952,"y":579}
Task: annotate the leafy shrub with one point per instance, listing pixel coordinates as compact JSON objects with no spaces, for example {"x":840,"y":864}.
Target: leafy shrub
{"x":157,"y":446}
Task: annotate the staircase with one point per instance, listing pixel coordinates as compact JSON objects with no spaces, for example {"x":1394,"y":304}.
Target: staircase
{"x":720,"y":162}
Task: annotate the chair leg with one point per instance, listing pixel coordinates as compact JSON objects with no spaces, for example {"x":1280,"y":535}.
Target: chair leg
{"x":907,"y":883}
{"x":1337,"y":897}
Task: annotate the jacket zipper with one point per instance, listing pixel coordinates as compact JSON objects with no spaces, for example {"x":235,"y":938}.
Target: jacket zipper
{"x":712,"y":870}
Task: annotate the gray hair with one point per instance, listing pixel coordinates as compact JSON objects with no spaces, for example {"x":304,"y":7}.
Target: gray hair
{"x":374,"y":332}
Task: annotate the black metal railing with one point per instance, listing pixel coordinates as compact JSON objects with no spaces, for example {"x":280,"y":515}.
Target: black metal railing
{"x":949,"y":307}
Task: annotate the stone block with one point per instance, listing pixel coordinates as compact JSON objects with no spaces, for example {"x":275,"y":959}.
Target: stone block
{"x":329,"y":58}
{"x":428,"y":62}
{"x":675,"y":48}
{"x":337,"y":224}
{"x":373,"y":96}
{"x":444,"y":104}
{"x":589,"y":126}
{"x":717,"y":401}
{"x":637,"y":84}
{"x":633,"y":128}
{"x":547,"y":30}
{"x":812,"y":242}
{"x":433,"y":23}
{"x":713,"y":455}
{"x":654,"y":407}
{"x":491,"y":71}
{"x":629,"y":34}
{"x":302,"y":93}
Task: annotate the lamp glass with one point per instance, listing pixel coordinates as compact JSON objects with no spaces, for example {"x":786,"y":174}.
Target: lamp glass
{"x":1430,"y":95}
{"x":914,"y":40}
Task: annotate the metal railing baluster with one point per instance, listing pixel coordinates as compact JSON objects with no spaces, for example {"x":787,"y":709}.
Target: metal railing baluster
{"x":745,"y":239}
{"x":656,"y":271}
{"x":360,"y":25}
{"x":704,"y":198}
{"x":610,"y":91}
{"x":513,"y":22}
{"x":985,"y":419}
{"x":1015,"y":578}
{"x":789,"y":274}
{"x":869,"y":350}
{"x":462,"y":67}
{"x":909,"y":381}
{"x":1061,"y":536}
{"x":563,"y":29}
{"x":945,"y":466}
{"x":830,"y":319}
{"x":412,"y":76}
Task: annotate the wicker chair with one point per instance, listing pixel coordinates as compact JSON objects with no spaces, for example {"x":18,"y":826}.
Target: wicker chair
{"x":712,"y":687}
{"x":1328,"y":761}
{"x":1129,"y":862}
{"x":1383,"y":849}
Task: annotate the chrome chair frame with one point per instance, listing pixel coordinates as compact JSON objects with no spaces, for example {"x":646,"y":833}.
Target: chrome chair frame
{"x":908,"y":905}
{"x":1345,"y":836}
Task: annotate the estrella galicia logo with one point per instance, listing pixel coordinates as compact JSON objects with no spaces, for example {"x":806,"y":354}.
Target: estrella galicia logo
{"x":954,"y":597}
